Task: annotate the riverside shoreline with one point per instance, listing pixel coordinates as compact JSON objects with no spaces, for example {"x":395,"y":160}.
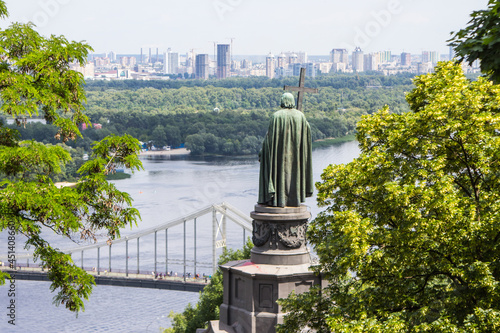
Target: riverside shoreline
{"x":178,"y":151}
{"x":183,"y":151}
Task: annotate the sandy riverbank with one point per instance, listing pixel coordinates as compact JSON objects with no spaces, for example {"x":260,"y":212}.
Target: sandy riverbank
{"x":179,"y":151}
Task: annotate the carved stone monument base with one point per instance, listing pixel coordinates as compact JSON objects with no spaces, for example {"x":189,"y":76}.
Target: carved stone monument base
{"x":279,"y":235}
{"x":280,"y":264}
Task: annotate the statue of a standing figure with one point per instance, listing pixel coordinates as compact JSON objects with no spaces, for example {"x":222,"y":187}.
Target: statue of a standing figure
{"x":285,"y":159}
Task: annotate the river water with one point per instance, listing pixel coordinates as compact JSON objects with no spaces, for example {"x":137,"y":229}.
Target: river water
{"x":167,"y":188}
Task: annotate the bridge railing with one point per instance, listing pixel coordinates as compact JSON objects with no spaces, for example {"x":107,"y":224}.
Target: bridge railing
{"x":220,"y":214}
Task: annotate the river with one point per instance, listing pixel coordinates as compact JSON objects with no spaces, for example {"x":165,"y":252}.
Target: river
{"x":166,"y":189}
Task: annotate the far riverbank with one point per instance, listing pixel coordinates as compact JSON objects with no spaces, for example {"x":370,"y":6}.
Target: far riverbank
{"x":331,"y":141}
{"x":184,"y":151}
{"x":178,"y":151}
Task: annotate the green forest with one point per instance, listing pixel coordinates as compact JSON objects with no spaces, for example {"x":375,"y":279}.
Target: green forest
{"x":227,"y":117}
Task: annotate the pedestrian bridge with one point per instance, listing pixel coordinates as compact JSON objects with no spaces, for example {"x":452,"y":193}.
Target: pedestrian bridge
{"x":158,"y":259}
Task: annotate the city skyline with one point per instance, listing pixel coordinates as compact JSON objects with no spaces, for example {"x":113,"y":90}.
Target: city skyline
{"x":256,"y":27}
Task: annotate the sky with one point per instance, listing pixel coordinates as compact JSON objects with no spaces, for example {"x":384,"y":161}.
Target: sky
{"x":257,"y":27}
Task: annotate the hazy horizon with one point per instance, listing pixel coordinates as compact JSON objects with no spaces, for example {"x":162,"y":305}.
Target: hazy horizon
{"x":257,"y":27}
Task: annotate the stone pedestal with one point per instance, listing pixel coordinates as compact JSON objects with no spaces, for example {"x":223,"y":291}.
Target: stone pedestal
{"x":279,"y":235}
{"x":279,"y":264}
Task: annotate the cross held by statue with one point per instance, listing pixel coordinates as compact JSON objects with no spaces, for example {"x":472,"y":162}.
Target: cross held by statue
{"x":301,"y":89}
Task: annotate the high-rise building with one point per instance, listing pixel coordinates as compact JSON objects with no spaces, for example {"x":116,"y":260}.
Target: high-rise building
{"x":311,"y":70}
{"x":430,"y":56}
{"x":190,"y":62}
{"x":405,"y":59}
{"x":270,"y":66}
{"x":339,"y":59}
{"x":132,"y":61}
{"x":302,"y":56}
{"x":294,"y":57}
{"x":223,"y":60}
{"x":434,"y":57}
{"x":124,"y":61}
{"x":357,"y":60}
{"x":425,"y":56}
{"x":165,"y":63}
{"x":112,"y":56}
{"x":281,"y":60}
{"x":339,"y":55}
{"x":385,"y":56}
{"x":246,"y":64}
{"x":202,"y":62}
{"x":371,"y":61}
{"x":101,"y":61}
{"x":173,"y":62}
{"x":296,"y":68}
{"x":281,"y":64}
{"x":236,"y":65}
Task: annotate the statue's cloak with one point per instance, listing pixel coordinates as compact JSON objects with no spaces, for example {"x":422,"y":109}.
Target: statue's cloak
{"x":285,"y":161}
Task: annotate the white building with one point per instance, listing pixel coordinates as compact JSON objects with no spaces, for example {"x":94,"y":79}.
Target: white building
{"x":358,"y":60}
{"x":270,"y":66}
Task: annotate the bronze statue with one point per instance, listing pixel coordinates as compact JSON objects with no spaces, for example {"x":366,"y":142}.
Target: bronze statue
{"x":285,"y":159}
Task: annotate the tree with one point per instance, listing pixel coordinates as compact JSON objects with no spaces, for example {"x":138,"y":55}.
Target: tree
{"x":251,"y":145}
{"x":410,"y":238}
{"x":211,"y":143}
{"x":207,"y":308}
{"x":195,"y":143}
{"x":35,"y":78}
{"x":159,"y":136}
{"x":480,"y":40}
{"x":173,"y":135}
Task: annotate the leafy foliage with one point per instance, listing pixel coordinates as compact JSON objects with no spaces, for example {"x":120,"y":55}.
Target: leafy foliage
{"x":336,"y":81}
{"x":35,"y":79}
{"x":410,"y":235}
{"x":480,"y":40}
{"x":207,"y":308}
{"x":185,"y":114}
{"x":183,"y":111}
{"x":35,"y":75}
